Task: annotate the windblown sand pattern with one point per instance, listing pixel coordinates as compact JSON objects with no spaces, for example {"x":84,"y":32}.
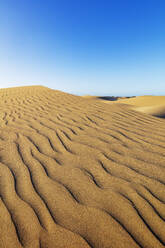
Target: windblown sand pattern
{"x":76,"y":173}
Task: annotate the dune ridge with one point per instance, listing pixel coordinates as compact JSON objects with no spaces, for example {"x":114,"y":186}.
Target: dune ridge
{"x":76,"y":173}
{"x":152,"y":105}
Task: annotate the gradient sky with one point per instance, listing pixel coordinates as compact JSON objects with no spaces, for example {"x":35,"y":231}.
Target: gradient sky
{"x":113,"y":47}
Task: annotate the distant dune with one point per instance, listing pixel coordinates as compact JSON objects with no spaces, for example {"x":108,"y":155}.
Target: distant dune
{"x":153,"y":105}
{"x":107,"y":98}
{"x":80,"y":173}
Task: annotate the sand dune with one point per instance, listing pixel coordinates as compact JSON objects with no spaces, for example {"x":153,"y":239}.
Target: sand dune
{"x":153,"y":105}
{"x":76,"y":173}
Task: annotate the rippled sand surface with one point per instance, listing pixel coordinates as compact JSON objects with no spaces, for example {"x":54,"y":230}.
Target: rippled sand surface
{"x":76,"y":173}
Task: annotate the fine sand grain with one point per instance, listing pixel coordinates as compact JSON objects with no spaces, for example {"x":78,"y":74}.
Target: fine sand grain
{"x":79,"y":173}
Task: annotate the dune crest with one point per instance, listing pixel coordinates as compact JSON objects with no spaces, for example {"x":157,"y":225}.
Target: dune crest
{"x":76,"y":173}
{"x":152,"y":105}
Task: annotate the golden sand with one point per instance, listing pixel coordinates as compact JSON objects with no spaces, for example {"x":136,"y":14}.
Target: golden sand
{"x":153,"y":105}
{"x":76,"y":173}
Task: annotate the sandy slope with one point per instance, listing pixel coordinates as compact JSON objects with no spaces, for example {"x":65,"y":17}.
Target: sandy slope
{"x":153,"y":105}
{"x":76,"y":173}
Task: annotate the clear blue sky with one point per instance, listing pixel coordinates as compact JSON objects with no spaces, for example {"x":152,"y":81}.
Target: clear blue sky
{"x":113,"y":47}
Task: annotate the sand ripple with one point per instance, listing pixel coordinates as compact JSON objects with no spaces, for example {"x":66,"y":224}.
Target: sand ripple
{"x":76,"y":173}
